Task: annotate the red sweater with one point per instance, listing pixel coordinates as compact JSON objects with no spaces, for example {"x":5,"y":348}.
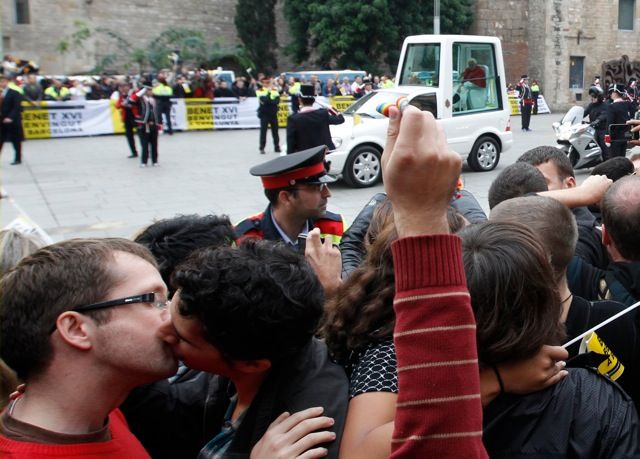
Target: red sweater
{"x":438,"y":413}
{"x":122,"y":445}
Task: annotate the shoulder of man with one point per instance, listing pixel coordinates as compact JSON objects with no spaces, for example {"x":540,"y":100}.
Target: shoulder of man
{"x":250,"y":227}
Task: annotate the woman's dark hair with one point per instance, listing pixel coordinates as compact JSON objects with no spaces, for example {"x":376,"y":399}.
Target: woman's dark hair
{"x":361,"y":312}
{"x":512,"y":289}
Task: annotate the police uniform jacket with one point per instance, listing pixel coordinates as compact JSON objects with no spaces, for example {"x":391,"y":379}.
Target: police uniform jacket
{"x":268,"y":100}
{"x":308,"y":129}
{"x":261,"y":226}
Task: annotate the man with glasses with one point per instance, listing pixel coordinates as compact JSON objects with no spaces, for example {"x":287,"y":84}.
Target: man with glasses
{"x":81,"y":323}
{"x":297,"y":190}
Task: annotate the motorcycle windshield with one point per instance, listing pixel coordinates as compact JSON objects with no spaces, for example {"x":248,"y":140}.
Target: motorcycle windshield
{"x":573,"y":116}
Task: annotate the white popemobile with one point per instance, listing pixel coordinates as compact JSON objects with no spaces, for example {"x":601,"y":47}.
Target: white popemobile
{"x":458,"y":78}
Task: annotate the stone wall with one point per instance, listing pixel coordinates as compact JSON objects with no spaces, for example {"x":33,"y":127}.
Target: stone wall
{"x":138,"y":21}
{"x":540,"y":36}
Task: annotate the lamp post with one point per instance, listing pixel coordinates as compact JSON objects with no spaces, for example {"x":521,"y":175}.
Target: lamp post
{"x":436,"y":17}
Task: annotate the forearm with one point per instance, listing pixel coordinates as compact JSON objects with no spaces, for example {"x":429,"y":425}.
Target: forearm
{"x":435,"y":341}
{"x":376,"y":444}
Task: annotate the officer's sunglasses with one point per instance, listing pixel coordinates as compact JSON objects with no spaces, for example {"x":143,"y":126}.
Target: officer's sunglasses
{"x":149,"y":298}
{"x":318,"y":187}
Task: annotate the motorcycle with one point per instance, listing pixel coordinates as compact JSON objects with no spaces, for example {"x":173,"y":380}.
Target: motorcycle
{"x":578,"y":139}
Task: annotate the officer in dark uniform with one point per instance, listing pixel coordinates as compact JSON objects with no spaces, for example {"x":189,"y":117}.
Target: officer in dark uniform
{"x":310,"y":126}
{"x":618,"y":112}
{"x":11,"y":118}
{"x":526,"y":102}
{"x":269,"y":101}
{"x":296,"y":187}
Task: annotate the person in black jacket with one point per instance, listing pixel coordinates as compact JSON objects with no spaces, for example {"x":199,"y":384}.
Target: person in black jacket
{"x":309,"y":127}
{"x":620,"y":280}
{"x":11,"y":119}
{"x":556,"y":229}
{"x":618,"y":112}
{"x":517,"y":306}
{"x":597,"y":113}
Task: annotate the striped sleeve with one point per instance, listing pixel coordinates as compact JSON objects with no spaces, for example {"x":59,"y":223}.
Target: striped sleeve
{"x":438,"y":413}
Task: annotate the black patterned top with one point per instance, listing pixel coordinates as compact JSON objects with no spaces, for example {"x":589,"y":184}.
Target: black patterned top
{"x":374,"y":369}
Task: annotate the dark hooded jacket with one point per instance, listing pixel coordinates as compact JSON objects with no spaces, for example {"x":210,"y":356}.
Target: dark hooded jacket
{"x":175,"y":418}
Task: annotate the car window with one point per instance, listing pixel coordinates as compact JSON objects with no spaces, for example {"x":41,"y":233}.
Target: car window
{"x":421,"y":65}
{"x":476,"y":87}
{"x":426,"y":103}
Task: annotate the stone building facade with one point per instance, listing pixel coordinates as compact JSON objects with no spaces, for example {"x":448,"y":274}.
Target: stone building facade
{"x":47,"y":22}
{"x":564,"y":43}
{"x":560,"y":43}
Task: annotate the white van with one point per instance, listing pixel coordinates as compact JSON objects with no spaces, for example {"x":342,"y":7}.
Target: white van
{"x":472,"y":107}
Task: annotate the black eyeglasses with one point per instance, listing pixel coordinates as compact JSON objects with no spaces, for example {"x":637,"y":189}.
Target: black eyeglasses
{"x":144,"y":298}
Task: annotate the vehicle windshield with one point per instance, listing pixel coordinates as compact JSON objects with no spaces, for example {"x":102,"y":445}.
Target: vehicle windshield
{"x":367,"y":104}
{"x":421,"y":65}
{"x":574,"y":116}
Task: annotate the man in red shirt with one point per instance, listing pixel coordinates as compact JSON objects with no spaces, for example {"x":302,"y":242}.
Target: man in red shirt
{"x":80,"y":323}
{"x":474,"y":74}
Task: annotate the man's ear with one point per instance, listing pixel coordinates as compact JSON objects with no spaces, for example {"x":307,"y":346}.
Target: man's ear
{"x":570,"y":182}
{"x":252,"y":366}
{"x":285,"y":197}
{"x":75,"y":329}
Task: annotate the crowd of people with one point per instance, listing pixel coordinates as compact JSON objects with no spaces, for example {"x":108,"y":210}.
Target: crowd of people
{"x":185,"y":83}
{"x":424,"y":329}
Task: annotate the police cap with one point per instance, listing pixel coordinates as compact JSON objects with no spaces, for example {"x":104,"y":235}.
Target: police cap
{"x":307,"y":166}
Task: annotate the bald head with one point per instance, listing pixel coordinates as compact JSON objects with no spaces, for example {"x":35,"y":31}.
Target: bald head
{"x":621,"y":216}
{"x":551,"y":221}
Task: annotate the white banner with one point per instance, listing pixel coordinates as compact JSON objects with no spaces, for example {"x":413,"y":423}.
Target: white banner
{"x":84,"y":118}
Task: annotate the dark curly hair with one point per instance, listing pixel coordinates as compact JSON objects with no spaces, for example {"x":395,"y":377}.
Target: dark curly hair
{"x":173,"y":239}
{"x":361,"y":312}
{"x":260,"y":300}
{"x":512,"y":288}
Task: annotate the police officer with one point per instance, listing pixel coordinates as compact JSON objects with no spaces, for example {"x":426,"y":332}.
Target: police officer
{"x":163,"y":94}
{"x":618,"y":112}
{"x":526,"y":101}
{"x":310,"y":126}
{"x":296,"y":187}
{"x":269,"y":100}
{"x":597,"y":113}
